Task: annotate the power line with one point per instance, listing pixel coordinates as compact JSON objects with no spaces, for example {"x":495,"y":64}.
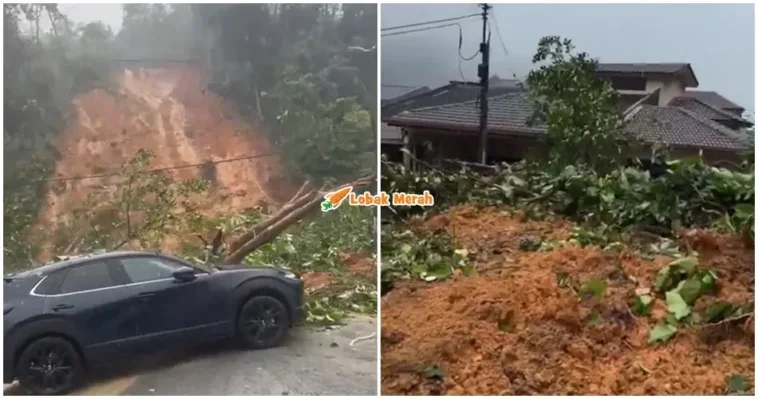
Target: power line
{"x":429,"y":22}
{"x":162,"y":169}
{"x":497,"y":31}
{"x":420,"y":29}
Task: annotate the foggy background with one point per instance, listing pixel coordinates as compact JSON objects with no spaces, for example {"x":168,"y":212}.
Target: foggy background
{"x":717,"y":39}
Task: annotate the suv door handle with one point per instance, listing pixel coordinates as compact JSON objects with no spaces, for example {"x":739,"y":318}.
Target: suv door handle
{"x":62,"y":306}
{"x":145,"y":295}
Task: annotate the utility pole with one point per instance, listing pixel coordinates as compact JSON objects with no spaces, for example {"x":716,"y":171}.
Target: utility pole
{"x":484,"y":82}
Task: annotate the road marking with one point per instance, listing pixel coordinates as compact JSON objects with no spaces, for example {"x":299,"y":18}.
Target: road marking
{"x":110,"y":387}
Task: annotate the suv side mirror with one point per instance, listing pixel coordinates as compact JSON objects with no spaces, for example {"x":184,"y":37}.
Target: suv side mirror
{"x":184,"y":274}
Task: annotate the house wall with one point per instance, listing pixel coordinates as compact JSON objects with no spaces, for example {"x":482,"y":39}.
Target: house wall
{"x":464,"y":146}
{"x":720,"y":158}
{"x":669,"y":89}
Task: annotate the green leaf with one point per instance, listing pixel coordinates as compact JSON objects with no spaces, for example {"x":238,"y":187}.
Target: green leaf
{"x":434,"y":372}
{"x":744,"y":210}
{"x":595,"y":287}
{"x":434,"y":259}
{"x":503,"y":326}
{"x":661,"y":333}
{"x":663,"y":281}
{"x":708,"y":282}
{"x":736,"y":383}
{"x":718,"y":311}
{"x":441,"y":272}
{"x":672,"y":320}
{"x":690,"y":289}
{"x":676,"y":305}
{"x":642,"y":305}
{"x":687,"y":264}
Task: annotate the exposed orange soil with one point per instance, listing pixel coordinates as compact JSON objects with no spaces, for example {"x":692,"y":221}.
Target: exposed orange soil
{"x":549,"y":347}
{"x":356,"y":264}
{"x":359,"y":263}
{"x":317,"y":281}
{"x":167,"y":111}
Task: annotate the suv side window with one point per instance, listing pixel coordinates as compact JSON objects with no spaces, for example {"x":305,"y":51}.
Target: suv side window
{"x":51,"y":285}
{"x":143,"y":268}
{"x":90,"y":276}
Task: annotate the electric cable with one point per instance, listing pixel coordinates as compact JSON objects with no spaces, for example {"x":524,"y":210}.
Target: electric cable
{"x":429,"y":22}
{"x":197,"y":165}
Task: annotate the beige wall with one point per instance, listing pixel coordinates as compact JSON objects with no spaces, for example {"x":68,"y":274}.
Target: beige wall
{"x":669,"y":89}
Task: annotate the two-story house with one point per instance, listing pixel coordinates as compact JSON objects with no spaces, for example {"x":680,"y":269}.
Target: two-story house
{"x":656,"y":100}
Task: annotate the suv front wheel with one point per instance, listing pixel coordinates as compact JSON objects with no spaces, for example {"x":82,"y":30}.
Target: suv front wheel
{"x":263,"y":322}
{"x":49,"y":366}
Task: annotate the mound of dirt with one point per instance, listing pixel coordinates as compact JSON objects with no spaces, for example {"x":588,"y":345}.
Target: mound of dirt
{"x":518,"y":328}
{"x":169,"y":112}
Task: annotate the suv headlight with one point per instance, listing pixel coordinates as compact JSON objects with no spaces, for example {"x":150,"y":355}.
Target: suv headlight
{"x":290,"y":275}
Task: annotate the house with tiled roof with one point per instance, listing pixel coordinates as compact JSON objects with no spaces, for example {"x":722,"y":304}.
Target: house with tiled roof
{"x":657,"y":102}
{"x":452,"y":93}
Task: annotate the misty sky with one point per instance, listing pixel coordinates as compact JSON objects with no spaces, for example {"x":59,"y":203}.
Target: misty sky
{"x":110,"y":14}
{"x":717,"y":39}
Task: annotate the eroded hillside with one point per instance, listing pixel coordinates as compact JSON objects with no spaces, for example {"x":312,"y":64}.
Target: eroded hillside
{"x":166,"y":111}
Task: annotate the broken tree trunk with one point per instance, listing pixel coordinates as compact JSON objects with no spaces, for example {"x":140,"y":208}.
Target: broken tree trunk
{"x":298,"y":200}
{"x":269,"y":229}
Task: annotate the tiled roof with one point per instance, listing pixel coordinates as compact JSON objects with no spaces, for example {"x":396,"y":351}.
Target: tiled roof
{"x":508,"y":113}
{"x":395,"y":93}
{"x":629,"y":67}
{"x":681,"y":127}
{"x":704,"y":109}
{"x":712,"y":98}
{"x":660,"y":68}
{"x":455,"y":92}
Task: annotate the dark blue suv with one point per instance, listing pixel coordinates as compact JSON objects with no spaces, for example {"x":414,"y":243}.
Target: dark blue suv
{"x":82,"y":313}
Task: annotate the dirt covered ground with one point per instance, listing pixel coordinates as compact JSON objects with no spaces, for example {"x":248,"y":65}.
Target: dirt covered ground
{"x":517,"y":329}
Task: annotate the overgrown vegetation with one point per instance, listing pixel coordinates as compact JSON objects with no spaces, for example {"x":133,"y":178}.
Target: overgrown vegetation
{"x":314,"y":91}
{"x":43,"y":71}
{"x":578,"y":109}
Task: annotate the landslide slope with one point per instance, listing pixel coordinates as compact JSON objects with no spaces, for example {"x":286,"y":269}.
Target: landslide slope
{"x":165,"y":110}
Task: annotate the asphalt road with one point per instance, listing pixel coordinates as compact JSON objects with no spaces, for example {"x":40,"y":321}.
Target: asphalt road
{"x":313,"y":361}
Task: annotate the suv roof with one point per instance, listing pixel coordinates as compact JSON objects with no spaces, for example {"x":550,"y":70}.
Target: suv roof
{"x":77,"y":259}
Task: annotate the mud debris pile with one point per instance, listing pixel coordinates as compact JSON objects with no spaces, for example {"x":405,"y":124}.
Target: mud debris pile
{"x":516,"y":329}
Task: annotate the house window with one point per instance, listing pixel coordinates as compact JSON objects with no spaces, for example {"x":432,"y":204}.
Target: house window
{"x":628,"y":83}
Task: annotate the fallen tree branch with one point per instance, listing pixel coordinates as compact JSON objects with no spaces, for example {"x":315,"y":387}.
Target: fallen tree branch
{"x":266,"y":231}
{"x":297,"y":201}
